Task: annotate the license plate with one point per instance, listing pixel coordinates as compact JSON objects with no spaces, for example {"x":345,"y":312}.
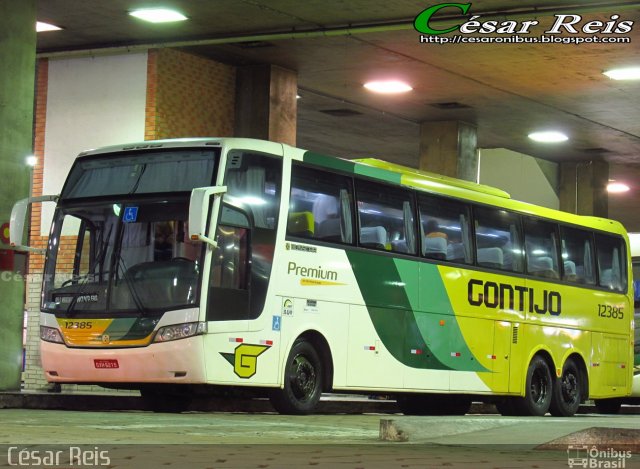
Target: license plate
{"x":106,"y":363}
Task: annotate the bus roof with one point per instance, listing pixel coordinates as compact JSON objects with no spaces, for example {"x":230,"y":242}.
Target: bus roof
{"x":433,"y":177}
{"x":384,"y":171}
{"x":452,"y":187}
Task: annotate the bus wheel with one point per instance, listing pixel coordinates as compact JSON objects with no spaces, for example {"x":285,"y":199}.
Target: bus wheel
{"x":302,"y":381}
{"x":567,"y":392}
{"x":608,"y":406}
{"x":539,"y":389}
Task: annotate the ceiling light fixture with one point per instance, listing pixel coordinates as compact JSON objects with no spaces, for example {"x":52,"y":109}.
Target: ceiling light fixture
{"x":41,"y":27}
{"x":158,"y":15}
{"x":617,"y":187}
{"x":31,"y":160}
{"x":548,"y":136}
{"x":388,"y":86}
{"x":629,"y":73}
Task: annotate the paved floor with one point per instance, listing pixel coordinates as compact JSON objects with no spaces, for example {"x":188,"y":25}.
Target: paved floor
{"x":236,"y":440}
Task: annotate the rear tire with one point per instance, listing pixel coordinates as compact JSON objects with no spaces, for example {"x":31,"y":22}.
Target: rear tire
{"x":608,"y":406}
{"x":302,"y":381}
{"x":567,"y":391}
{"x":539,"y":390}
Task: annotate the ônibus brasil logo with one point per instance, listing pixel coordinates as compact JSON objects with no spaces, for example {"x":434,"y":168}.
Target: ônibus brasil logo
{"x":562,"y":23}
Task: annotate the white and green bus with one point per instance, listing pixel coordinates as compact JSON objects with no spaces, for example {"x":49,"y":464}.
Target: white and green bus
{"x":214,"y":265}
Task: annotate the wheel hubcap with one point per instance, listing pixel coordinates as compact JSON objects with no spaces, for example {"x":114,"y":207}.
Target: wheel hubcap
{"x":303,"y":378}
{"x":539,"y":387}
{"x":569,"y":388}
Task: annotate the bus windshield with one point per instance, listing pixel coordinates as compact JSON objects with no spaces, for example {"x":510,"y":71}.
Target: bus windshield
{"x":119,"y":242}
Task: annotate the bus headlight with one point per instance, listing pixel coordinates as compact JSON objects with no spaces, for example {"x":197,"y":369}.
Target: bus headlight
{"x":180,"y":331}
{"x":51,"y":334}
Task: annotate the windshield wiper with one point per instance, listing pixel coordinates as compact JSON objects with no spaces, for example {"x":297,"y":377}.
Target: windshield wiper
{"x":84,"y":280}
{"x":130,"y":285}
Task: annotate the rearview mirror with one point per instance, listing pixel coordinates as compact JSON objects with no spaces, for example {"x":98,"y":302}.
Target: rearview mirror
{"x":199,"y":211}
{"x":18,"y":222}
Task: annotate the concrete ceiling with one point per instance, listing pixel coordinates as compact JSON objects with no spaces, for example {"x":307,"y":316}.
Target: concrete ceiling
{"x":507,"y":90}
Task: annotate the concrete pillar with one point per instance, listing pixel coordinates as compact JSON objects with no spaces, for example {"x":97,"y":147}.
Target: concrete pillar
{"x":583,"y":188}
{"x":449,"y":148}
{"x":266,"y":105}
{"x":17,"y":56}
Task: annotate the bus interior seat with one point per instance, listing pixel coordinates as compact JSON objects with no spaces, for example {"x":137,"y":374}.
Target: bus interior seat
{"x":399,"y":245}
{"x":373,"y":236}
{"x":455,"y":252}
{"x":542,"y":267}
{"x":610,"y":279}
{"x":606,"y":278}
{"x":329,"y":230}
{"x":570,"y":272}
{"x":159,"y":282}
{"x":325,"y":207}
{"x":301,"y":224}
{"x":569,"y":268}
{"x":435,"y":248}
{"x":490,"y":257}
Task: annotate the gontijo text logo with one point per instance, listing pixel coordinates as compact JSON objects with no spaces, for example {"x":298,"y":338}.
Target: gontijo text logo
{"x":575,"y":28}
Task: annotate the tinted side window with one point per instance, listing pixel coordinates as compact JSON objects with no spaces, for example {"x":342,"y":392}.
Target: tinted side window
{"x":386,"y":217}
{"x":577,"y":256}
{"x":254,"y":180}
{"x":320,"y":206}
{"x":498,"y":239}
{"x":246,"y":240}
{"x":541,"y":246}
{"x":445,"y":229}
{"x":612,"y":267}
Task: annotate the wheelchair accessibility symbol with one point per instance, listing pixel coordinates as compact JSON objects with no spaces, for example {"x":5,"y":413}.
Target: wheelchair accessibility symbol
{"x":130,"y":215}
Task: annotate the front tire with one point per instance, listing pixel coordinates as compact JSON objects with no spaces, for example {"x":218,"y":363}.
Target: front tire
{"x":567,"y":391}
{"x":539,"y":390}
{"x":302,"y":381}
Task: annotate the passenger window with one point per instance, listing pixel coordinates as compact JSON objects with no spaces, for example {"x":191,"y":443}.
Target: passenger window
{"x":386,"y":217}
{"x":248,"y":217}
{"x":254,"y":181}
{"x":541,"y":246}
{"x":498,"y":239}
{"x":320,"y":206}
{"x":577,"y":256}
{"x":445,"y":229}
{"x":612,"y":266}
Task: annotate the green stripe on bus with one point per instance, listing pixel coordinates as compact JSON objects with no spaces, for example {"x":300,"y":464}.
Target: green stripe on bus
{"x":119,"y":328}
{"x":140,"y":329}
{"x":377,"y":173}
{"x":328,"y":162}
{"x":411,"y":332}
